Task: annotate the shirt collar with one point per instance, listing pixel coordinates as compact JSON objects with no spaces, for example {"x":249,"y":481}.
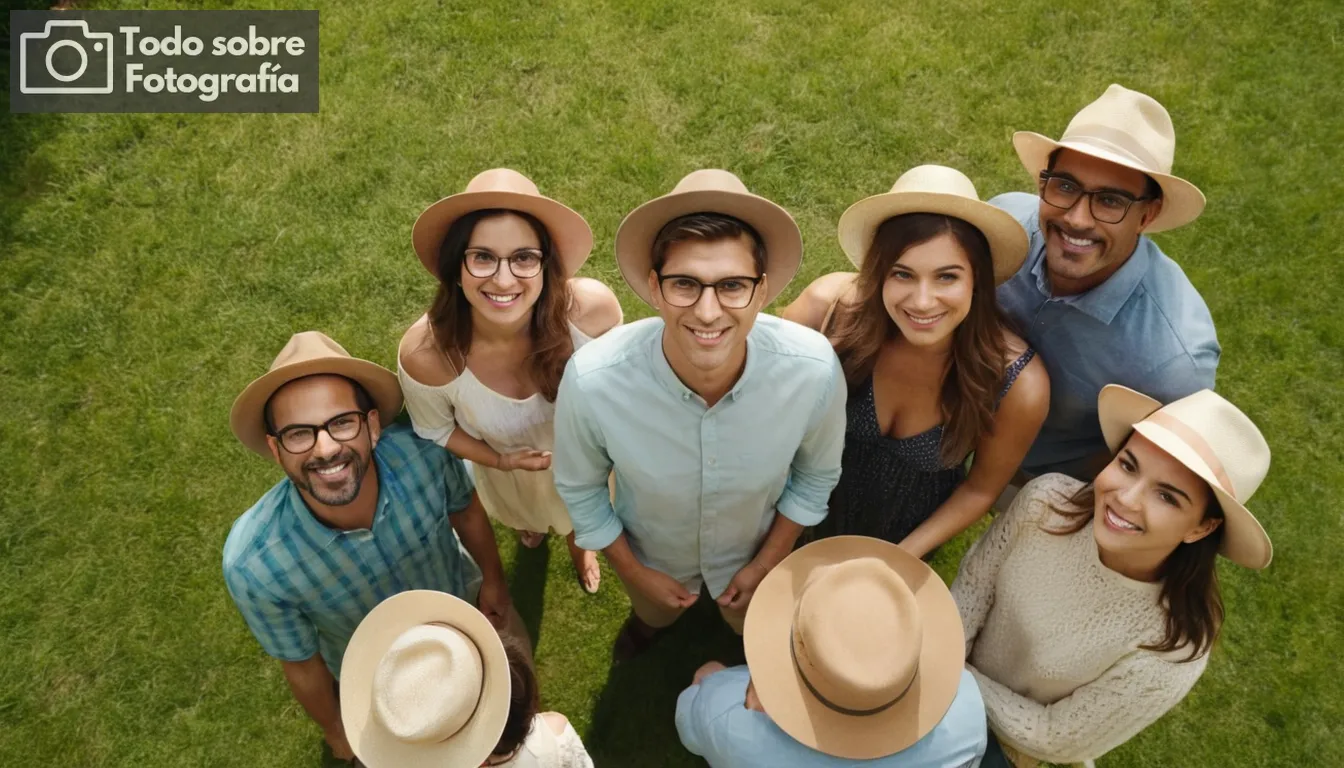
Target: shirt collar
{"x":662,"y":370}
{"x":1104,"y":301}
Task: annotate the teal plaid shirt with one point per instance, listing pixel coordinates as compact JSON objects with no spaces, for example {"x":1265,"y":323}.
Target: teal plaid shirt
{"x":303,"y":587}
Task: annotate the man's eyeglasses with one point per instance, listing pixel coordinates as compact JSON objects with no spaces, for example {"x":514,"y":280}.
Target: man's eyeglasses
{"x":300,"y":438}
{"x":684,"y":290}
{"x":1107,"y":205}
{"x":523,"y":263}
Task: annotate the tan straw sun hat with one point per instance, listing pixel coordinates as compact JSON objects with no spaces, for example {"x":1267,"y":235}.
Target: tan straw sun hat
{"x":1130,"y":129}
{"x":709,"y":191}
{"x":935,"y":189}
{"x":424,"y":682}
{"x":855,"y":647}
{"x":507,"y":189}
{"x":1215,"y":440}
{"x":307,"y":354}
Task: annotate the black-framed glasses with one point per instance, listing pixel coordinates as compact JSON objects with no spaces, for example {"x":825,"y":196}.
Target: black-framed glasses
{"x":343,"y":427}
{"x":1107,"y":205}
{"x":684,"y":291}
{"x":524,"y":262}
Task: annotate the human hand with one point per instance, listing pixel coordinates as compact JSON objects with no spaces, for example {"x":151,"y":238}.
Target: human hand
{"x":495,"y":602}
{"x":340,"y":746}
{"x":705,"y":670}
{"x":661,"y":588}
{"x":743,"y":586}
{"x":527,"y":458}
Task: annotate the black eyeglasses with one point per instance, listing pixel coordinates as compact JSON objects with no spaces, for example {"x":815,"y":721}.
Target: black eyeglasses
{"x":1107,"y":205}
{"x":524,"y":263}
{"x":343,"y":427}
{"x":684,"y":291}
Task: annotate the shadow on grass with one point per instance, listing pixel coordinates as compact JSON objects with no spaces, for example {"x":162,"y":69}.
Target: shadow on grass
{"x":638,"y":706}
{"x":527,"y":586}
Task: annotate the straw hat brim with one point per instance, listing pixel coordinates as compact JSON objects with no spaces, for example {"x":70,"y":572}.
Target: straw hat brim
{"x":377,"y":748}
{"x":785,"y":695}
{"x":1008,"y":241}
{"x":1123,"y":410}
{"x":246,"y":418}
{"x":570,"y":232}
{"x":1182,"y":202}
{"x":783,"y":241}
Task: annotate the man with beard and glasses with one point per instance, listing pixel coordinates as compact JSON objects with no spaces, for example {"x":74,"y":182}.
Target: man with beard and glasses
{"x":365,"y":512}
{"x":1096,"y":297}
{"x":722,"y":426}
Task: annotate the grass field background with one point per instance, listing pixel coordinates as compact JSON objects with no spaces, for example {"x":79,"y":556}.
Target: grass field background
{"x":152,"y":265}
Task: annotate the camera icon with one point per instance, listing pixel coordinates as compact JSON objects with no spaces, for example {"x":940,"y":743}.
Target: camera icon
{"x":41,"y":72}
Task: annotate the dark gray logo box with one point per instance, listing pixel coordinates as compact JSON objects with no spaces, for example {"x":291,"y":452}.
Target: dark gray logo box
{"x":216,"y":61}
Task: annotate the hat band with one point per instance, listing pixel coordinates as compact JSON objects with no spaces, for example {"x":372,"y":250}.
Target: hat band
{"x":793,"y":653}
{"x":1197,"y":443}
{"x":1118,"y":140}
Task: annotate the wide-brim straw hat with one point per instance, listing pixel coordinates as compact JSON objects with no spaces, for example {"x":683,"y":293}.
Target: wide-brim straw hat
{"x":307,"y":354}
{"x":424,"y":682}
{"x":709,"y":191}
{"x":935,"y":189}
{"x":507,"y":189}
{"x":855,"y":647}
{"x":1126,"y":128}
{"x":1215,"y":440}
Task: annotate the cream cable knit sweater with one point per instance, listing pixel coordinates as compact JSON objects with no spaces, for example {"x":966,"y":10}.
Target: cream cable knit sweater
{"x":1053,"y":636}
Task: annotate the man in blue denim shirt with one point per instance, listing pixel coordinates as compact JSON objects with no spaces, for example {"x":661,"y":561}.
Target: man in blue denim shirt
{"x":1096,"y":298}
{"x":723,"y":427}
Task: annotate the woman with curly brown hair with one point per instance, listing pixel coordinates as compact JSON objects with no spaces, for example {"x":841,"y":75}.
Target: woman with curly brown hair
{"x":933,"y":370}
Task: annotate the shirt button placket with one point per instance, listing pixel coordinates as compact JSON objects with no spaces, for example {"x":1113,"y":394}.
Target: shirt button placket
{"x":709,"y":484}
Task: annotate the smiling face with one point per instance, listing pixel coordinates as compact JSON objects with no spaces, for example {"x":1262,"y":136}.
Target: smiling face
{"x":708,"y":336}
{"x":1148,"y":503}
{"x":928,"y":291}
{"x":502,"y":298}
{"x":331,"y":472}
{"x":1081,"y":252}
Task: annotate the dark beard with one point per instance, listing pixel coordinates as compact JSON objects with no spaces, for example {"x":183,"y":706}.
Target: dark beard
{"x":340,"y":496}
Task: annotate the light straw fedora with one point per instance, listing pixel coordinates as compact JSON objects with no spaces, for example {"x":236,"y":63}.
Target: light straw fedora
{"x":307,"y":354}
{"x":855,"y":647}
{"x":935,"y":189}
{"x":1215,"y":440}
{"x":424,"y":682}
{"x":1130,"y":129}
{"x":709,"y":191}
{"x":510,"y":190}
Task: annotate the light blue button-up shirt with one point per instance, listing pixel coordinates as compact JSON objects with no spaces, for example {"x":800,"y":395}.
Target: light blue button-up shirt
{"x":714,"y":723}
{"x":1146,"y":327}
{"x":697,"y":487}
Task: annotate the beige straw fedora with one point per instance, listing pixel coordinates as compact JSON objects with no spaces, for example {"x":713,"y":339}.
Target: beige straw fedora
{"x":1130,"y":129}
{"x":1215,"y":440}
{"x":510,"y":190}
{"x":709,"y":191}
{"x":935,"y":189}
{"x":855,"y":647}
{"x":306,"y":354}
{"x":424,"y":682}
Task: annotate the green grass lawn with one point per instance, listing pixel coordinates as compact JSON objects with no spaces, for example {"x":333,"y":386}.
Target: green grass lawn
{"x":152,"y":265}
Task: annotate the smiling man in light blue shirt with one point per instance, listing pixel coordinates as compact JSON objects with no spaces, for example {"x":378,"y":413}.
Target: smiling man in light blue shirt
{"x":723,"y":429}
{"x":1096,"y":297}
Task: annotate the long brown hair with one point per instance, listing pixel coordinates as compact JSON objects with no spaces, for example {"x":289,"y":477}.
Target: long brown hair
{"x":523,"y":699}
{"x":450,"y":314}
{"x":975,"y":372}
{"x":1189,"y":577}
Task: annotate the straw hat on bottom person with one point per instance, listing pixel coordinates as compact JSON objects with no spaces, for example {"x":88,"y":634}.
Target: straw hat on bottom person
{"x":855,"y":647}
{"x":424,"y":682}
{"x":1215,"y":440}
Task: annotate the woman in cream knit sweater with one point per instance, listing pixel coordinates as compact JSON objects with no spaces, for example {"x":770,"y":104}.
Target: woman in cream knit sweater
{"x":1090,"y":608}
